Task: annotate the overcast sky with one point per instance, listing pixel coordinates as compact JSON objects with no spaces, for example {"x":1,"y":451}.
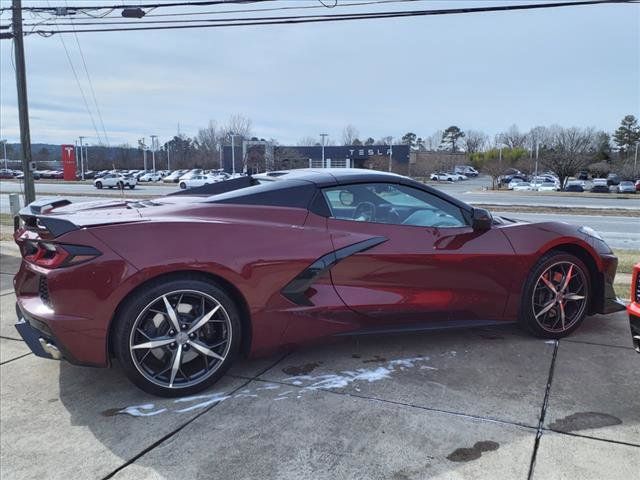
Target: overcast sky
{"x":576,"y":66}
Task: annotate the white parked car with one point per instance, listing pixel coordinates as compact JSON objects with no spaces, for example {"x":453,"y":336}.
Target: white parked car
{"x":521,"y":186}
{"x":117,"y":180}
{"x":198,"y":181}
{"x":151,"y":177}
{"x":444,"y":177}
{"x":548,"y":187}
{"x":514,"y":182}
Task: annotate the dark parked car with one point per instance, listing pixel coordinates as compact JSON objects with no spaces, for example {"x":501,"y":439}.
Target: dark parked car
{"x":340,"y":252}
{"x":600,"y":188}
{"x":582,"y":175}
{"x":574,"y":187}
{"x":613,"y":179}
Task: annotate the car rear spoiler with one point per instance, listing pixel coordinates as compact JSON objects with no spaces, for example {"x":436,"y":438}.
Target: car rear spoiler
{"x":35,"y":218}
{"x":217,"y":188}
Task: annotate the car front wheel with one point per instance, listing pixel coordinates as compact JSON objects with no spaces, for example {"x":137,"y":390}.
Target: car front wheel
{"x":556,"y":296}
{"x":99,"y":185}
{"x":177,"y":337}
{"x":183,"y":185}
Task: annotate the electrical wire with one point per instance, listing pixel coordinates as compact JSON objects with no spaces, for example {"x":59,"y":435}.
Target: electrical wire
{"x":255,"y":21}
{"x":200,"y":3}
{"x":250,"y":10}
{"x":75,"y":74}
{"x":93,"y":93}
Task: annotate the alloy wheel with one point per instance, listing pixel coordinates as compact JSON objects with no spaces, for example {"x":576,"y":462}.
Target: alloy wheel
{"x":180,"y":339}
{"x":560,"y":297}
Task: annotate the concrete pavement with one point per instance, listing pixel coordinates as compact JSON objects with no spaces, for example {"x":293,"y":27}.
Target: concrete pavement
{"x":478,"y":403}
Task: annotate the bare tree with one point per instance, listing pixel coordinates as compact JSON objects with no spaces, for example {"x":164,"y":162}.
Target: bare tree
{"x":349,"y":134}
{"x":434,"y":141}
{"x":475,"y":141}
{"x":238,"y":125}
{"x":308,"y":141}
{"x":570,"y":150}
{"x":513,"y":138}
{"x":206,"y":142}
{"x":388,"y":140}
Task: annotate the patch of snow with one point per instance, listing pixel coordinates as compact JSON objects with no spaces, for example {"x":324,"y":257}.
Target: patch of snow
{"x":142,"y":410}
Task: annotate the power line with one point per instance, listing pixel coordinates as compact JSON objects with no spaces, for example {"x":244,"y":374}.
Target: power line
{"x":75,"y":74}
{"x":237,"y":19}
{"x":200,"y":3}
{"x":93,"y":93}
{"x":227,"y":12}
{"x":248,"y":21}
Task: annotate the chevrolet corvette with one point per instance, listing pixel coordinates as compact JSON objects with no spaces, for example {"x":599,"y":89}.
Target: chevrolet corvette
{"x":176,"y":288}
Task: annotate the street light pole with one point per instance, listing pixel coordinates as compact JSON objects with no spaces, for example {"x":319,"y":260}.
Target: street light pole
{"x":233,"y":154}
{"x":324,"y":136}
{"x":4,"y":148}
{"x":81,"y":158}
{"x":537,"y":150}
{"x":154,"y":142}
{"x":390,"y":155}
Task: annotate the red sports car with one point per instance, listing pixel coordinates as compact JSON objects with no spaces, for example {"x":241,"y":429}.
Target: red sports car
{"x":176,"y":288}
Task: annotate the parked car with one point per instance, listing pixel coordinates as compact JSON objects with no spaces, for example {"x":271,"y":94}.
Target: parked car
{"x":177,"y":313}
{"x":466,"y":170}
{"x":600,"y":185}
{"x":443,"y":177}
{"x":634,"y":307}
{"x":547,"y":187}
{"x":6,"y":173}
{"x":637,"y":185}
{"x":613,"y":179}
{"x":522,"y":187}
{"x":198,"y":181}
{"x":174,"y":177}
{"x":151,"y":177}
{"x":117,"y":180}
{"x":626,"y":187}
{"x":514,"y":182}
{"x":574,"y":187}
{"x":582,"y":175}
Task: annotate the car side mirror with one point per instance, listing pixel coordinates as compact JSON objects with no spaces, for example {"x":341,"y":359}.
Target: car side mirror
{"x":481,"y":219}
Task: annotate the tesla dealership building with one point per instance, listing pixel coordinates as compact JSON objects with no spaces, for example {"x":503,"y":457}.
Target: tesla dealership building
{"x":261,"y":156}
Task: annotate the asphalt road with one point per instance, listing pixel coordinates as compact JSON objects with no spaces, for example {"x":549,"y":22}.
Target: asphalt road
{"x":476,"y":404}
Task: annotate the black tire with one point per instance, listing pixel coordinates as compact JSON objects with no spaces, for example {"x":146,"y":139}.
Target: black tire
{"x":110,"y":187}
{"x":133,"y":310}
{"x":535,"y":287}
{"x":132,"y":186}
{"x":183,"y":185}
{"x":99,"y":185}
{"x":120,"y":186}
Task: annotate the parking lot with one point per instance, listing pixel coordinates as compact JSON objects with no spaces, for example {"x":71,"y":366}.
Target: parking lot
{"x":479,"y":403}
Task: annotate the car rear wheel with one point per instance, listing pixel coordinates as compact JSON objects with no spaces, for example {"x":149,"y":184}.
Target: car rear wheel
{"x":99,"y":185}
{"x":132,"y":186}
{"x":556,"y":296}
{"x":177,"y":337}
{"x":183,"y":185}
{"x":120,"y":186}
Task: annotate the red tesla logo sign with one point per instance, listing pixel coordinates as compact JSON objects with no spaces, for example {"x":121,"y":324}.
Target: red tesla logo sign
{"x":69,"y":162}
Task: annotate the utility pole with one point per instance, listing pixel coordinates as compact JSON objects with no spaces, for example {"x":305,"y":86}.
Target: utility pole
{"x":537,"y":151}
{"x":23,"y":107}
{"x":323,"y":135}
{"x":233,"y":154}
{"x":635,"y":158}
{"x":154,"y":143}
{"x":82,"y":158}
{"x":168,"y":160}
{"x":391,"y":155}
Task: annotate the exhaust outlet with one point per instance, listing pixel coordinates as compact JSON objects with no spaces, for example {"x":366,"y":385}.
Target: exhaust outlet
{"x":50,"y":349}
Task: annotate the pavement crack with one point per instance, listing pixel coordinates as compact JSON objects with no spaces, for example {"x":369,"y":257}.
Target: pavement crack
{"x":543,"y":411}
{"x":15,"y":358}
{"x":9,"y":338}
{"x":169,"y":435}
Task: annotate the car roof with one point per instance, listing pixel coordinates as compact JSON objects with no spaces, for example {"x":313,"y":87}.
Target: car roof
{"x":323,"y":177}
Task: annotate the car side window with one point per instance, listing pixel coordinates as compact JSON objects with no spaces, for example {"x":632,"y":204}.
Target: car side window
{"x":392,"y":204}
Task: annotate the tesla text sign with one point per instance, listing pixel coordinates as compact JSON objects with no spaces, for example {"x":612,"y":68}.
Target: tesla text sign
{"x":69,"y":162}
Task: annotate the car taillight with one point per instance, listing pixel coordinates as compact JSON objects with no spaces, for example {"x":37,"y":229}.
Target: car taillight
{"x":54,"y":255}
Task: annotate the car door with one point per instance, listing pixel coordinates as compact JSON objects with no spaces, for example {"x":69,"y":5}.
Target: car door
{"x":428,"y":266}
